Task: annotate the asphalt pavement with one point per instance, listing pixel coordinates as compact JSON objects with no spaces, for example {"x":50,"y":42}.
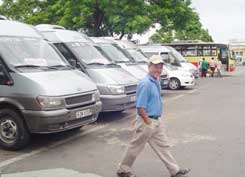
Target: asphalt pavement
{"x":205,"y":126}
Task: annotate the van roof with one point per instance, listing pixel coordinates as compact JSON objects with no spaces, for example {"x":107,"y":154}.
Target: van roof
{"x":101,"y":40}
{"x":154,"y":48}
{"x":14,"y":28}
{"x":62,"y":35}
{"x":43,"y":27}
{"x":126,"y":44}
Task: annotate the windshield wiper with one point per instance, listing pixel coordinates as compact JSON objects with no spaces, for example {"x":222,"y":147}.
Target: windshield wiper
{"x":95,"y":63}
{"x":141,"y":61}
{"x":111,"y":64}
{"x":122,"y":61}
{"x":59,"y":67}
{"x":27,"y":66}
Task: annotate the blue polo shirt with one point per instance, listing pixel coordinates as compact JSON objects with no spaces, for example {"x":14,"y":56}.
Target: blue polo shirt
{"x":148,"y":96}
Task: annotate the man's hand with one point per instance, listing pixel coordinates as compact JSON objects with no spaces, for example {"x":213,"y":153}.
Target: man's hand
{"x":148,"y":121}
{"x":144,"y":116}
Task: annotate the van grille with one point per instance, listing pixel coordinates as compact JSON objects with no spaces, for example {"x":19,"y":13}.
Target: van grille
{"x":79,"y":99}
{"x":130,"y":89}
{"x":165,"y":76}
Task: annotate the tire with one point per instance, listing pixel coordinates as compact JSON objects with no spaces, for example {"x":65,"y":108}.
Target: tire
{"x":174,"y":84}
{"x":13,"y":131}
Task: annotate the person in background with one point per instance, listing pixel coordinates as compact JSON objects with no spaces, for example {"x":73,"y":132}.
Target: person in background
{"x":212,"y":67}
{"x":200,"y":67}
{"x":204,"y":67}
{"x":219,"y":66}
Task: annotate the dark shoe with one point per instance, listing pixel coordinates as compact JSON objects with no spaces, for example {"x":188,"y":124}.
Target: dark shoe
{"x":127,"y":174}
{"x":182,"y":172}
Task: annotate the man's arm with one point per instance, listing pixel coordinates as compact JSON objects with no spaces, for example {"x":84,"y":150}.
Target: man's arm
{"x":144,"y":116}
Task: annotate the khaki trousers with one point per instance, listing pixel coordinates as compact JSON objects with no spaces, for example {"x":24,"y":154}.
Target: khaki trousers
{"x":156,"y":137}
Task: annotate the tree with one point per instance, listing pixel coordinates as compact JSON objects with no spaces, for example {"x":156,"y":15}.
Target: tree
{"x":109,"y":17}
{"x":96,"y":17}
{"x":184,"y":26}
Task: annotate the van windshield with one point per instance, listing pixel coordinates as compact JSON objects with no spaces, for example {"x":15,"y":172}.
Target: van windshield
{"x":26,"y":52}
{"x":170,"y":67}
{"x":88,"y":53}
{"x":113,"y":53}
{"x":178,"y":56}
{"x":137,"y":55}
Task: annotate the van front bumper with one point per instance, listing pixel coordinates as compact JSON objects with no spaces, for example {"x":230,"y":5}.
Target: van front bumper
{"x":164,"y":83}
{"x":187,"y":81}
{"x":60,"y":120}
{"x":117,"y":102}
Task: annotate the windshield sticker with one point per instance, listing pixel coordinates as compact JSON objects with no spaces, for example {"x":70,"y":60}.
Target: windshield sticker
{"x":100,"y":60}
{"x":77,"y":44}
{"x":36,"y":61}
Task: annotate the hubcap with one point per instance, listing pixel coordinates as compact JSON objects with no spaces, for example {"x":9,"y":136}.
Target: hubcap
{"x":173,"y":84}
{"x":8,"y":131}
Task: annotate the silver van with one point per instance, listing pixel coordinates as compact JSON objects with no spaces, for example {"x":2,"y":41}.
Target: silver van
{"x":112,"y":51}
{"x":117,"y":87}
{"x":39,"y":91}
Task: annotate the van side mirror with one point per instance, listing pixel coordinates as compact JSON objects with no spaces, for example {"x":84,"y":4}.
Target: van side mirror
{"x":73,"y":62}
{"x":4,"y":79}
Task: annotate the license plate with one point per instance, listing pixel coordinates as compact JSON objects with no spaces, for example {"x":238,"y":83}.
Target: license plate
{"x":83,"y":113}
{"x":165,"y":82}
{"x":133,"y":98}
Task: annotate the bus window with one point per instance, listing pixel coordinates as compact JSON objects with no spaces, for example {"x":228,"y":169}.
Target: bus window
{"x":223,"y":53}
{"x":191,"y":51}
{"x":206,"y":51}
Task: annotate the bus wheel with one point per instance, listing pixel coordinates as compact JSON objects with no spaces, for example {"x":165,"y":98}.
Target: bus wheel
{"x":13,"y":132}
{"x":174,"y":84}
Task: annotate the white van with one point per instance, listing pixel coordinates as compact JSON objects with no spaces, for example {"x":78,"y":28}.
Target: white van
{"x":39,"y":91}
{"x":170,"y":55}
{"x":137,"y":56}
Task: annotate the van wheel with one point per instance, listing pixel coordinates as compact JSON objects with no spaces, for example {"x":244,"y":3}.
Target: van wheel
{"x":13,"y":132}
{"x":174,"y":84}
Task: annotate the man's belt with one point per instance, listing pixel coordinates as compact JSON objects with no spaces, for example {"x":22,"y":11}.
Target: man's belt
{"x":154,"y":117}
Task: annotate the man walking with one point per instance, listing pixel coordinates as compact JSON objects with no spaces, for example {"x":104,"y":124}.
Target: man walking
{"x":149,"y":127}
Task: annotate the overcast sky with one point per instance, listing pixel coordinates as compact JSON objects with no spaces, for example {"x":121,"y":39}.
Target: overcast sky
{"x":225,"y":19}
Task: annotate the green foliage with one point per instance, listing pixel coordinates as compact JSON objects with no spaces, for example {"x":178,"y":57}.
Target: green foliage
{"x":109,"y":17}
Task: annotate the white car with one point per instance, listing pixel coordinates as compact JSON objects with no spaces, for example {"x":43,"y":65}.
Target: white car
{"x":178,"y":78}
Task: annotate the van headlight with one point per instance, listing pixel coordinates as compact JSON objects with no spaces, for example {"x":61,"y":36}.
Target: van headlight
{"x":114,"y":89}
{"x":96,"y":96}
{"x":51,"y":103}
{"x":111,"y":89}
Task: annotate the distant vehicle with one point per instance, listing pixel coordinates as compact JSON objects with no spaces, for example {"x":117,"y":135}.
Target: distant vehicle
{"x":137,"y":56}
{"x":178,"y":78}
{"x":39,"y":91}
{"x":170,"y":55}
{"x":117,"y":87}
{"x":194,"y":51}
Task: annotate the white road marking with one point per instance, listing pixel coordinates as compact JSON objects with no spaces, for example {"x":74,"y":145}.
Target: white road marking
{"x":26,"y":155}
{"x":174,"y":98}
